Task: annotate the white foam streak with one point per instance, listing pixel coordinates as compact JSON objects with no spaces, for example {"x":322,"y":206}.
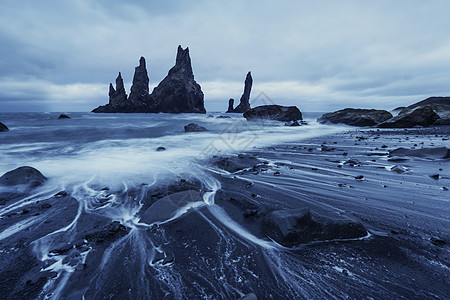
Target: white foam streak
{"x":223,"y":217}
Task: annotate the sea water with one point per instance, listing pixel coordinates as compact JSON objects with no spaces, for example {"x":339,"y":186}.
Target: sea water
{"x":122,"y":148}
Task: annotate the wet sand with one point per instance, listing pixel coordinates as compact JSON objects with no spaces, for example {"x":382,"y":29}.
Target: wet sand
{"x":56,"y":246}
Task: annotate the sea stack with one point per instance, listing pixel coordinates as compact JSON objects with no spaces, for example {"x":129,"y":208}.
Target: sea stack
{"x":117,"y":96}
{"x":178,"y":92}
{"x":139,"y":89}
{"x":244,"y":104}
{"x":230,"y":106}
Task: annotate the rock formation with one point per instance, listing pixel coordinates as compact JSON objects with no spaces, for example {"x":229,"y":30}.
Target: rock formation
{"x":356,"y":117}
{"x":230,"y":106}
{"x":23,"y":176}
{"x":274,"y":112}
{"x":420,"y":116}
{"x":192,"y":127}
{"x":139,"y":89}
{"x":291,"y":227}
{"x":117,"y":96}
{"x":63,"y":116}
{"x":441,"y":105}
{"x":178,"y":92}
{"x":3,"y":127}
{"x":244,"y":104}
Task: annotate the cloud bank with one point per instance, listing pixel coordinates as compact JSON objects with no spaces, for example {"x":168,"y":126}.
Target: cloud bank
{"x":61,"y":55}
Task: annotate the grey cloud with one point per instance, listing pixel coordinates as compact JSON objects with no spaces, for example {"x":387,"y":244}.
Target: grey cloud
{"x":348,"y":50}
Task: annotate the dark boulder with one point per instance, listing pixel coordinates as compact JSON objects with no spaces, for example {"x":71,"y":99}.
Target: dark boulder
{"x":292,"y":227}
{"x":440,"y":105}
{"x":274,"y":112}
{"x":420,"y":116}
{"x":23,"y":176}
{"x":178,"y":92}
{"x":356,"y":117}
{"x":3,"y":127}
{"x":442,"y":121}
{"x":63,"y":116}
{"x":167,"y":207}
{"x":230,"y":106}
{"x":244,"y":104}
{"x":430,"y":153}
{"x":192,"y":127}
{"x":236,"y":163}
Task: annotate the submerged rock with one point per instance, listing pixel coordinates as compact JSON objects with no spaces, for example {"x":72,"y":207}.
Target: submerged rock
{"x":420,"y":116}
{"x":192,"y":127}
{"x":274,"y":112}
{"x":3,"y":127}
{"x":291,"y":227}
{"x":356,"y":117}
{"x":23,"y":176}
{"x":244,"y":104}
{"x":63,"y":116}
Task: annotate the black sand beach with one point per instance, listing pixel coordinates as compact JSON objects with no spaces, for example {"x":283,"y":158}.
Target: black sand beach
{"x":229,"y":248}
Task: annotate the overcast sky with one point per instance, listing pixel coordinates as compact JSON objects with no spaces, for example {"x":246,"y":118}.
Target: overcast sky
{"x":319,"y":55}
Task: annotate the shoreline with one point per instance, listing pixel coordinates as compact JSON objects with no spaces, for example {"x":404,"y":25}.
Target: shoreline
{"x":405,"y":252}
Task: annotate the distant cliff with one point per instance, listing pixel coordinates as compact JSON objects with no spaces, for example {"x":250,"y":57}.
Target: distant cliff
{"x":178,"y":92}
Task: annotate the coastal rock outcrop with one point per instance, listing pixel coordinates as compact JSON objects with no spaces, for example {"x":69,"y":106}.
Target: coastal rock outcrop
{"x":117,"y":96}
{"x":23,"y":176}
{"x":192,"y":127}
{"x":63,"y":116}
{"x":166,"y":207}
{"x":291,"y":227}
{"x":420,"y":116}
{"x":178,"y":92}
{"x":274,"y":112}
{"x":440,"y":105}
{"x":230,"y":106}
{"x":139,"y":89}
{"x":356,"y":117}
{"x":244,"y":104}
{"x":3,"y":127}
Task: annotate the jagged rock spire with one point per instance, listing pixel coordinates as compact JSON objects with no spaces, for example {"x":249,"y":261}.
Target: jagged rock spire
{"x":244,"y":104}
{"x":182,"y":63}
{"x":178,"y":92}
{"x":139,"y":89}
{"x":117,"y":96}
